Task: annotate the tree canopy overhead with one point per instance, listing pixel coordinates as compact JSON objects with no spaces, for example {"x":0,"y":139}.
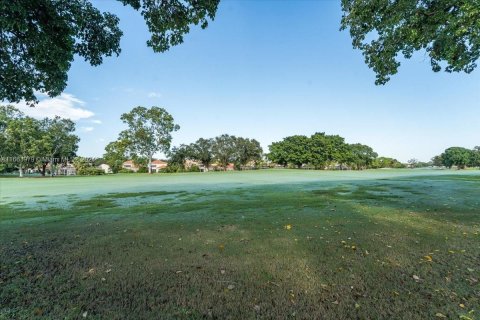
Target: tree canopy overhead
{"x":449,"y":31}
{"x":39,"y":39}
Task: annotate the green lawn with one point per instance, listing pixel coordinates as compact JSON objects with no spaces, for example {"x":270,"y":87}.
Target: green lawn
{"x":273,"y":244}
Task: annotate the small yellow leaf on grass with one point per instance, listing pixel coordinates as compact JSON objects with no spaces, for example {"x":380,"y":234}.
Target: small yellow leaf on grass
{"x":440,"y":315}
{"x":462,"y":305}
{"x":428,"y":258}
{"x":288,"y":227}
{"x":221,"y":247}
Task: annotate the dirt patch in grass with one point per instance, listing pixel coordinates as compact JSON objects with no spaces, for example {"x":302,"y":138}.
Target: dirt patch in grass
{"x":95,"y":203}
{"x":358,"y":193}
{"x":17,"y":203}
{"x":144,"y":194}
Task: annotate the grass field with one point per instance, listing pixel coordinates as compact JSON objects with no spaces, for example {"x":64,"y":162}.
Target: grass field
{"x":273,"y":244}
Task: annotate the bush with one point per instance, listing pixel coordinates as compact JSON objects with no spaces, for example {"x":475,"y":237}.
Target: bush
{"x":142,"y":170}
{"x":176,"y":168}
{"x":172,"y":168}
{"x":194,"y":168}
{"x":123,"y":170}
{"x":90,"y":171}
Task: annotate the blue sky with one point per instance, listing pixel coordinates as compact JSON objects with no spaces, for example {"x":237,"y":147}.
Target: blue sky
{"x":266,"y":70}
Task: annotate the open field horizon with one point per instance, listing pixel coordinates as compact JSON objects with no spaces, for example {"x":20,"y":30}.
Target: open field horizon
{"x":30,"y":189}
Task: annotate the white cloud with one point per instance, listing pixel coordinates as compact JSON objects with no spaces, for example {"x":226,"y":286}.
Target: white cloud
{"x":87,"y":129}
{"x":96,"y":121}
{"x":154,"y":94}
{"x":65,"y":106}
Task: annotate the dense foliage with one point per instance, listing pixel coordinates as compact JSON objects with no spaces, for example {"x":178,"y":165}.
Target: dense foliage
{"x":449,"y":32}
{"x":28,"y":143}
{"x":149,"y":131}
{"x":322,"y":151}
{"x":115,"y":154}
{"x":385,"y":162}
{"x":219,"y":151}
{"x":39,"y":39}
{"x":85,"y":167}
{"x":458,"y":157}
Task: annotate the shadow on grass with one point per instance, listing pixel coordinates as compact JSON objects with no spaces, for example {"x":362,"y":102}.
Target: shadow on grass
{"x":350,"y":253}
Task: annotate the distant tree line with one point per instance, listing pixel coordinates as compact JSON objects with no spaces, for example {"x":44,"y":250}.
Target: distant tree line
{"x":458,"y":157}
{"x":322,"y":151}
{"x":222,"y":150}
{"x":28,"y":143}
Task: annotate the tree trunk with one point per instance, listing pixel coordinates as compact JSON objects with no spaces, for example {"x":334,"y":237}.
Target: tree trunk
{"x":44,"y":168}
{"x":150,"y":165}
{"x":51,"y":167}
{"x":20,"y":170}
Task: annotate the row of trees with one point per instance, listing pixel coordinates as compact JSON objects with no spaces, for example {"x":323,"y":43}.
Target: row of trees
{"x":28,"y":143}
{"x":149,"y":131}
{"x":222,"y":150}
{"x":459,"y":157}
{"x":321,"y":151}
